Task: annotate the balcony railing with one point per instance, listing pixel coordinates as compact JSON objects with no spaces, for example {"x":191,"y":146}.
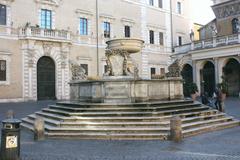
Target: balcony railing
{"x":36,"y":32}
{"x":209,"y":43}
{"x":6,"y":30}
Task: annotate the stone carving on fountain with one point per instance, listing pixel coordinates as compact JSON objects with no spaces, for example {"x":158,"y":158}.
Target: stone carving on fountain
{"x":174,"y":69}
{"x":78,"y":72}
{"x":118,"y":60}
{"x":118,"y":63}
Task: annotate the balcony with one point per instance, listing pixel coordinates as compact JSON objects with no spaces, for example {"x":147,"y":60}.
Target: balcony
{"x":8,"y":31}
{"x":44,"y":34}
{"x":209,"y":43}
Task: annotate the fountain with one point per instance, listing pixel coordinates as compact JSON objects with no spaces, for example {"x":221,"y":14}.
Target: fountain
{"x":121,"y":82}
{"x":123,"y":106}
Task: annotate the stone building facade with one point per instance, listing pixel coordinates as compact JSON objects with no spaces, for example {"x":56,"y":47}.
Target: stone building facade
{"x":39,"y":39}
{"x":216,"y":56}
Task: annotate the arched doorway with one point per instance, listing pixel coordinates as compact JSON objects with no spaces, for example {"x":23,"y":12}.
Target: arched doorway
{"x":231,"y":73}
{"x":45,"y":79}
{"x":187,"y":75}
{"x":208,"y":78}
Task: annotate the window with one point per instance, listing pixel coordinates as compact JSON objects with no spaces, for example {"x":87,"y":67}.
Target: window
{"x":179,"y":40}
{"x":85,"y":67}
{"x":162,"y":71}
{"x":179,"y":8}
{"x":127,"y":31}
{"x":151,"y":36}
{"x":153,"y":71}
{"x":3,"y":15}
{"x":3,"y":69}
{"x":151,"y":2}
{"x":235,"y":26}
{"x":83,"y":26}
{"x":161,"y":39}
{"x":160,"y":3}
{"x":107,"y":29}
{"x":46,"y":19}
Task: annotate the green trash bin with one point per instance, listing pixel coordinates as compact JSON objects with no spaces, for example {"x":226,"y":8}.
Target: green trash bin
{"x":10,"y":141}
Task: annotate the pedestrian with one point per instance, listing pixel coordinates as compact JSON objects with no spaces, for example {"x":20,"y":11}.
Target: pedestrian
{"x":205,"y":98}
{"x":216,"y":94}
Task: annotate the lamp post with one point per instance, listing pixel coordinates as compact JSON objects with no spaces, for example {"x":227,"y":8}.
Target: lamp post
{"x":97,"y":36}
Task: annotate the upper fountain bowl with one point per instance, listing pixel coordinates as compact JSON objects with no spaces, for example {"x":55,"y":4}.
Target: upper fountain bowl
{"x":129,"y":45}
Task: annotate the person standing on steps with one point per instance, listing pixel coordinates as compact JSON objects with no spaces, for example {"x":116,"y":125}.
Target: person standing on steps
{"x":216,"y":94}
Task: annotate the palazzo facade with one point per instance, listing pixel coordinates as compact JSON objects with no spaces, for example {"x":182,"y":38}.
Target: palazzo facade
{"x":216,"y":56}
{"x":39,"y":39}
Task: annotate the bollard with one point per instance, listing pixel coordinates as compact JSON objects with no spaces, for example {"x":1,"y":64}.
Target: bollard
{"x":10,"y":141}
{"x":176,"y":129}
{"x":39,"y":129}
{"x":10,"y":114}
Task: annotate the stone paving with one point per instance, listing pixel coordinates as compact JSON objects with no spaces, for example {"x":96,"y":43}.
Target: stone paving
{"x":220,"y":145}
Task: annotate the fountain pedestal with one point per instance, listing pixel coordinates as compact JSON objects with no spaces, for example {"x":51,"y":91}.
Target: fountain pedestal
{"x":127,"y":91}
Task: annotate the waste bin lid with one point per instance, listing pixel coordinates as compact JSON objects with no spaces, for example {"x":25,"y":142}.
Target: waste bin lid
{"x":11,"y":121}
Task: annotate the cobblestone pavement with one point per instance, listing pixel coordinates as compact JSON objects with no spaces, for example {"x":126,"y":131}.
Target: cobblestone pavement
{"x":220,"y":145}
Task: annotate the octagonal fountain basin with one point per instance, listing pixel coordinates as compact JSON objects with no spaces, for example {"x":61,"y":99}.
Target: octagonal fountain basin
{"x":129,"y":45}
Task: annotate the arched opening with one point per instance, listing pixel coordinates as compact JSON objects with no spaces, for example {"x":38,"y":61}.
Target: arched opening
{"x":208,"y":78}
{"x":46,"y":79}
{"x":231,"y":72}
{"x":235,"y":26}
{"x":187,"y":74}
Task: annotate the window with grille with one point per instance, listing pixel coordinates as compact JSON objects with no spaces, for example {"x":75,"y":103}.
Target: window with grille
{"x":83,"y":26}
{"x":46,"y":19}
{"x":151,"y":36}
{"x":162,"y":71}
{"x":153,"y":72}
{"x":235,"y":26}
{"x":161,"y":38}
{"x":179,"y":7}
{"x":3,"y":69}
{"x":127,"y":31}
{"x":160,"y":3}
{"x":179,"y":40}
{"x":107,"y":29}
{"x":3,"y":15}
{"x":151,"y":2}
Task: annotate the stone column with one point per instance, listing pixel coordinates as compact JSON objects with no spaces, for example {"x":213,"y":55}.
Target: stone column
{"x":216,"y":67}
{"x":194,"y":71}
{"x":197,"y":75}
{"x":176,"y":129}
{"x":39,"y":129}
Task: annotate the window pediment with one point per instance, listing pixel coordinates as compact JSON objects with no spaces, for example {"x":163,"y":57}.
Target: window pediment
{"x":6,"y":2}
{"x":55,"y":3}
{"x":107,"y":17}
{"x":83,"y":12}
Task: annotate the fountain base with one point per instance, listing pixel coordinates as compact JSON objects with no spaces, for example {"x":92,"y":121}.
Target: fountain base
{"x":126,"y":91}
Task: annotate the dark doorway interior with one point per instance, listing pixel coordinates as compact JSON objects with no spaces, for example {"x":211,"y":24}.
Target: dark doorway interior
{"x":187,"y":74}
{"x":232,"y":74}
{"x":46,"y":79}
{"x":208,"y":83}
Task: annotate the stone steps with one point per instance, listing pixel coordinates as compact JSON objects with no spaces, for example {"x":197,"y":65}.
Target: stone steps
{"x":210,"y":128}
{"x":116,"y":113}
{"x":30,"y":119}
{"x":75,"y":119}
{"x":112,"y":105}
{"x":152,"y":121}
{"x":115,"y":136}
{"x":121,"y":109}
